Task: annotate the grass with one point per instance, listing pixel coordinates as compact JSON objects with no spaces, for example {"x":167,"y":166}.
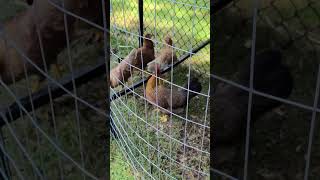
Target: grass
{"x":45,"y":156}
{"x":62,"y":128}
{"x":129,"y":118}
{"x":160,"y":154}
{"x":119,"y":168}
{"x":278,"y":142}
{"x":158,"y":21}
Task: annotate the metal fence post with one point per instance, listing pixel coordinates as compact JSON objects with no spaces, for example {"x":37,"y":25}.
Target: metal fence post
{"x":140,"y":22}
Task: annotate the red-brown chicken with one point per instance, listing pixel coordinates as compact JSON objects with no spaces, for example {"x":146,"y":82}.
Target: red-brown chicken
{"x":121,"y":73}
{"x":145,"y":54}
{"x":21,"y":30}
{"x":166,"y":56}
{"x":230,"y":106}
{"x":136,"y":58}
{"x":158,"y":94}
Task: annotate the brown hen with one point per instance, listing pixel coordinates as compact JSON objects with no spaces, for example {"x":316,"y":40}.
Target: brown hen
{"x":230,"y":106}
{"x":166,"y":56}
{"x":121,"y":72}
{"x":158,"y":94}
{"x":22,"y":31}
{"x":145,"y":54}
{"x":136,"y":58}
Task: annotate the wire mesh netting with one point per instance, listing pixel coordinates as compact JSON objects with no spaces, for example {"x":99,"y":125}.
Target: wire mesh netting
{"x":283,"y":143}
{"x":160,"y":139}
{"x":53,"y":119}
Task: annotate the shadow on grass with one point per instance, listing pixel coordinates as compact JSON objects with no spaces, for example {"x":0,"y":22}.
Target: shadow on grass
{"x":279,"y":140}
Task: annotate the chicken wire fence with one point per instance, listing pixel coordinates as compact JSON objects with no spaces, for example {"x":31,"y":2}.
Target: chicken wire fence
{"x":53,"y":119}
{"x":158,"y":141}
{"x":282,"y":143}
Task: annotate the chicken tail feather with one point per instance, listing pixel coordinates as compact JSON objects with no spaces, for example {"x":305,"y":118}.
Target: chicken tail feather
{"x":194,"y":85}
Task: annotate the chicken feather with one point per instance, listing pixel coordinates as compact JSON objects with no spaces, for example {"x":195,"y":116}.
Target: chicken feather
{"x":22,"y":31}
{"x":165,"y":57}
{"x":158,"y":94}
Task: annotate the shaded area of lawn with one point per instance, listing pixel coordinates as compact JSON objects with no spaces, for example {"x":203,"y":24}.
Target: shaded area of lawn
{"x":61,"y":125}
{"x":279,"y":140}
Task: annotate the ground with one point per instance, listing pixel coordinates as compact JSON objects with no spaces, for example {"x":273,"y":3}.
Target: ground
{"x":63,"y":128}
{"x":278,"y":140}
{"x":155,"y":154}
{"x":84,"y":52}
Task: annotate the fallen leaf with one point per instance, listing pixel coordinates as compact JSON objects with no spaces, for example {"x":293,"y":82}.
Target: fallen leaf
{"x":164,"y":118}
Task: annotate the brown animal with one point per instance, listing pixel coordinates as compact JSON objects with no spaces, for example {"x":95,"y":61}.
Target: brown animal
{"x":136,"y":59}
{"x":92,"y":11}
{"x":230,"y":105}
{"x":121,"y":73}
{"x":145,"y":54}
{"x":165,"y":56}
{"x":158,"y":94}
{"x":21,"y":30}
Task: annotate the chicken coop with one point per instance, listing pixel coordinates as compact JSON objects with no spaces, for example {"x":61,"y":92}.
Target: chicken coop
{"x":159,"y":141}
{"x":278,"y":104}
{"x":52,"y":92}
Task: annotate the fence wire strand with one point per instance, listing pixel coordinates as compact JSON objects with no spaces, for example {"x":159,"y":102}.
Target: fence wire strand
{"x":290,"y":26}
{"x":166,"y":143}
{"x":38,"y":144}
